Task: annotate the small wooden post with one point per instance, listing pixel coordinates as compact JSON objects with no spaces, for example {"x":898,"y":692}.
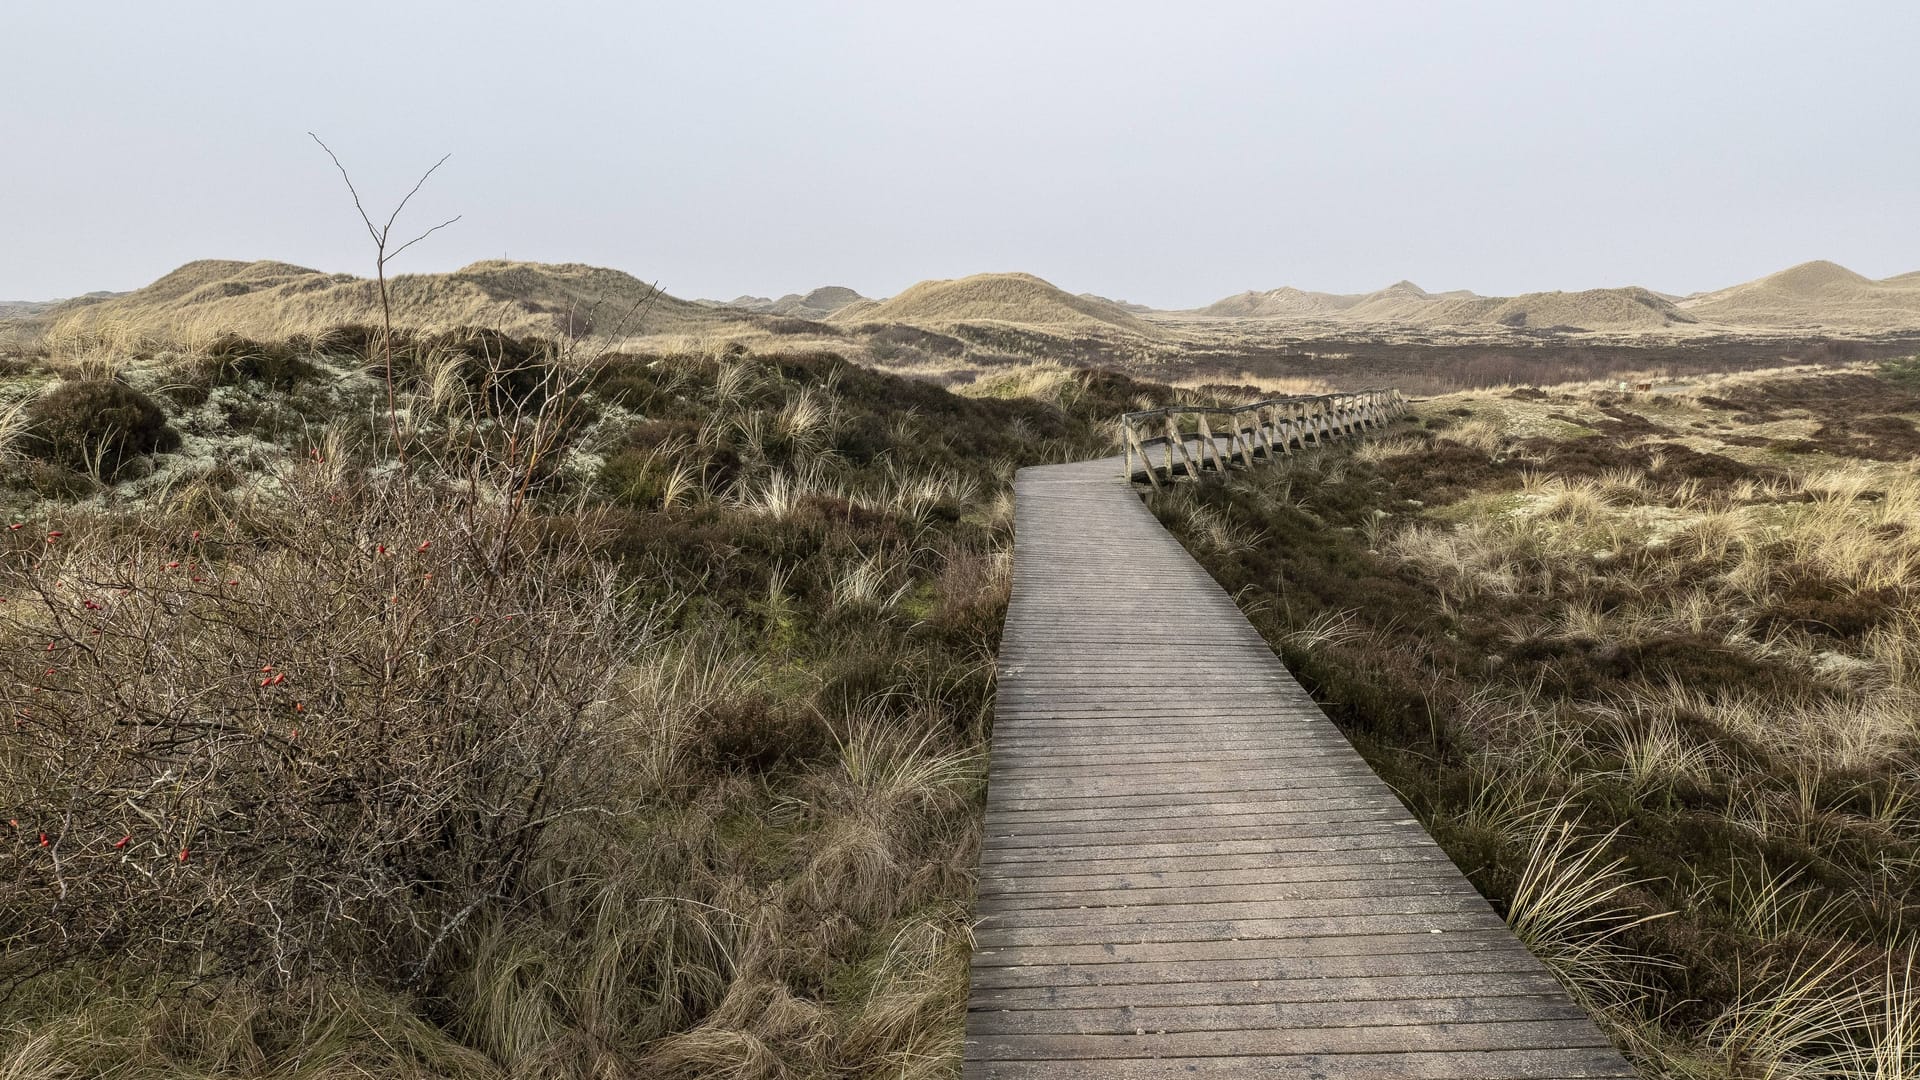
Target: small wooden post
{"x":1176,"y":437}
{"x":1207,"y":445}
{"x":1152,"y":477}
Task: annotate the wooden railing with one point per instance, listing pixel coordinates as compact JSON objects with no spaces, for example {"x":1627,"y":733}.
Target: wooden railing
{"x":1258,"y":431}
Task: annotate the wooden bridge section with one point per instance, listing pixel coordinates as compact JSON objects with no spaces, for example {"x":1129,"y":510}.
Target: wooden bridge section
{"x":1187,"y":870}
{"x":1179,"y":440}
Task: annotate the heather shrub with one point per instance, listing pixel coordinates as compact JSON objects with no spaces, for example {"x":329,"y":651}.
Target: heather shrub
{"x":95,"y":426}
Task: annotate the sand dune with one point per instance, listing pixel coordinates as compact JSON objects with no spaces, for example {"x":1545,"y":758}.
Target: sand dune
{"x":269,"y":298}
{"x":1630,"y":308}
{"x":1400,"y":302}
{"x":1286,"y":302}
{"x":266,"y":298}
{"x":1124,"y":305}
{"x":817,"y":304}
{"x":1019,"y":299}
{"x":1814,"y":294}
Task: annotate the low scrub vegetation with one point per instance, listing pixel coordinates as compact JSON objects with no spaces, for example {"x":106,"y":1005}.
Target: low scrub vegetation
{"x":1649,"y":668}
{"x":570,"y":719}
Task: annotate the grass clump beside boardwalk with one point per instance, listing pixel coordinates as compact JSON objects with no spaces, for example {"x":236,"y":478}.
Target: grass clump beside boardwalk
{"x":622,"y":718}
{"x":1654,"y":688}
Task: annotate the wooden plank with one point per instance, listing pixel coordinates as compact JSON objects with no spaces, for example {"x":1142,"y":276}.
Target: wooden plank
{"x":1433,"y":895}
{"x":1263,"y":893}
{"x":1324,"y":1014}
{"x":1271,"y":802}
{"x":1341,"y":855}
{"x":1216,"y":827}
{"x":1320,"y":835}
{"x":1384,"y":953}
{"x":1429,"y":1036}
{"x":1462,"y":976}
{"x":1391,"y":915}
{"x":1385,"y":862}
{"x":1332,"y":787}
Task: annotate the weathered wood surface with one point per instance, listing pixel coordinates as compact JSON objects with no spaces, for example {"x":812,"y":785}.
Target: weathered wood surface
{"x":1187,"y":871}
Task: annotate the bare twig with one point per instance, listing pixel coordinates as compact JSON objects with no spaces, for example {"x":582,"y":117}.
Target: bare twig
{"x":382,"y":236}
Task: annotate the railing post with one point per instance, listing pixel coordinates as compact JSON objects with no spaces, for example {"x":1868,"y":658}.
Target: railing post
{"x":1176,"y":437}
{"x":1207,"y":445}
{"x":1145,"y":459}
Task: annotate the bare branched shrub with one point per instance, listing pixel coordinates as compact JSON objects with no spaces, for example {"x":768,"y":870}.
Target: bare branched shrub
{"x":321,"y":739}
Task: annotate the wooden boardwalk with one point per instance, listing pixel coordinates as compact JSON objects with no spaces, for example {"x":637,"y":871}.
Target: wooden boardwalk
{"x":1188,"y":871}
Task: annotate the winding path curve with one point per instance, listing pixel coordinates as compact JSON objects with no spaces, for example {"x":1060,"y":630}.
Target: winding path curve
{"x":1188,"y":871}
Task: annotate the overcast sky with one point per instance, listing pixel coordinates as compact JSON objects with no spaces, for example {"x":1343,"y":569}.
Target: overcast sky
{"x":1164,"y":153}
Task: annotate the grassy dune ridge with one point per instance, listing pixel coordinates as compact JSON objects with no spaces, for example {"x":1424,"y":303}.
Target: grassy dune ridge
{"x":1646,"y":666}
{"x":604,"y":718}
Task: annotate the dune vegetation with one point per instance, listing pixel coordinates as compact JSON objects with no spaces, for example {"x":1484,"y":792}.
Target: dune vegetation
{"x":571,"y":717}
{"x":526,"y":710}
{"x":1648,"y":666}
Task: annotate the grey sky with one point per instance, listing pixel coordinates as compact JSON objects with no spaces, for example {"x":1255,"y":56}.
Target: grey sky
{"x":1165,"y":153}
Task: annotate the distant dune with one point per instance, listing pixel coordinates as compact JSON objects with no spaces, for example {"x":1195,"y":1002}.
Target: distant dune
{"x":1400,"y":302}
{"x":1124,"y":305}
{"x":1283,"y":303}
{"x":1630,"y":308}
{"x":18,"y":309}
{"x":1406,"y":304}
{"x":1813,"y":295}
{"x":817,"y":304}
{"x":1817,"y":293}
{"x":269,"y":298}
{"x":1019,"y":299}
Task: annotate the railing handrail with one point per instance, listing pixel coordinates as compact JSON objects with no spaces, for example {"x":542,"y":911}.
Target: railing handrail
{"x":1280,"y":423}
{"x":1263,"y":403}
